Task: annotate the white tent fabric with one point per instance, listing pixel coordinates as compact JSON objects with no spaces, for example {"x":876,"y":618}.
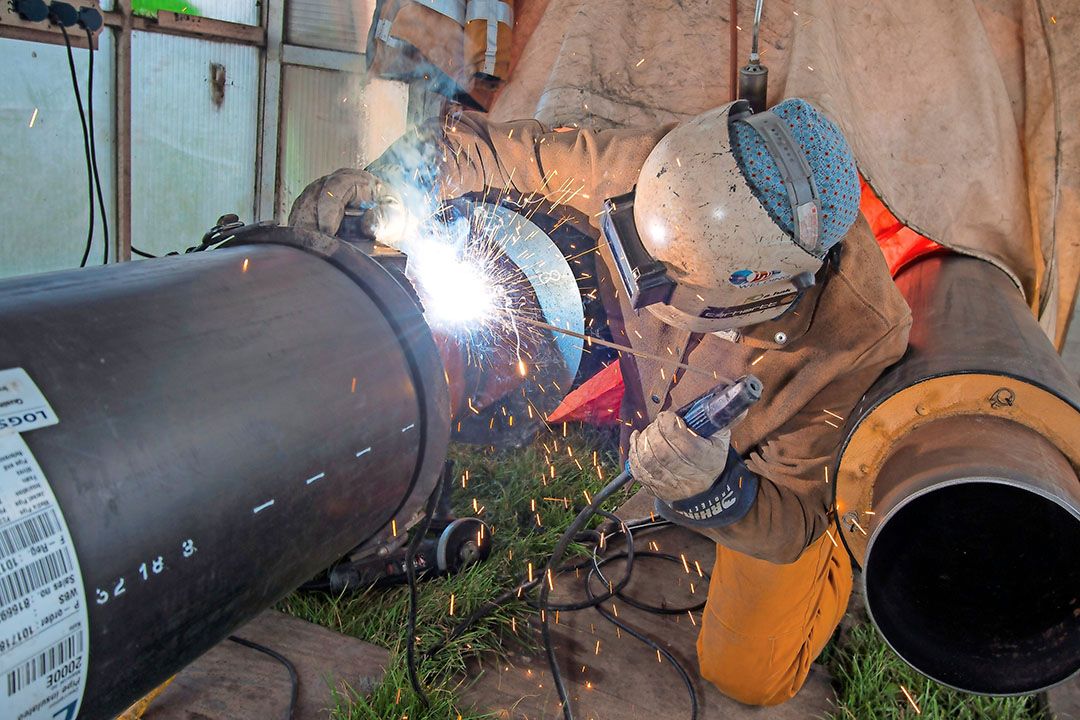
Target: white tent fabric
{"x":963,"y":115}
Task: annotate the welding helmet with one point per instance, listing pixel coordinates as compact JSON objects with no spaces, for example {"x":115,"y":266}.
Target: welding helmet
{"x":733,"y":215}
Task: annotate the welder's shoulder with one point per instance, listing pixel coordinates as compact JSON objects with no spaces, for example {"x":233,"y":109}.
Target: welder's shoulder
{"x":874,"y":316}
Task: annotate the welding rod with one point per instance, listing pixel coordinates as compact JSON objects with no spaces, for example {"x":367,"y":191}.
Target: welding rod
{"x":616,"y":346}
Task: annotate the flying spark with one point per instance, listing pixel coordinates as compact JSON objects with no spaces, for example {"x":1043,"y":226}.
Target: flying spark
{"x":911,"y":700}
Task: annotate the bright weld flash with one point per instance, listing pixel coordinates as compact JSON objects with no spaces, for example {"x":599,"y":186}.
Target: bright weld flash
{"x":447,"y":265}
{"x":456,"y":293}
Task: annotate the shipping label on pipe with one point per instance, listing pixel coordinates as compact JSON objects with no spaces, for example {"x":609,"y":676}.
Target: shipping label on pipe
{"x":22,"y":406}
{"x":44,"y":629}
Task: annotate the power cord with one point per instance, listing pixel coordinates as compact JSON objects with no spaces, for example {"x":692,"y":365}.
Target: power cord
{"x":294,"y":678}
{"x":683,"y":674}
{"x":410,"y":576}
{"x":575,"y":533}
{"x":93,"y":146}
{"x":86,"y":145}
{"x":593,"y":508}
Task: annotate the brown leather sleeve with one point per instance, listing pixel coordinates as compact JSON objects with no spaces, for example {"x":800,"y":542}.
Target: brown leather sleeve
{"x":793,"y":500}
{"x":578,"y":168}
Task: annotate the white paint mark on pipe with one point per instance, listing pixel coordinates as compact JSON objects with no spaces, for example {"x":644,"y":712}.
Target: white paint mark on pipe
{"x":408,"y":427}
{"x":365,"y":451}
{"x":310,"y":480}
{"x":262,"y":507}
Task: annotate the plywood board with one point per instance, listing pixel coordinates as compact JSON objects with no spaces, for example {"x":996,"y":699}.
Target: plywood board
{"x":232,"y":681}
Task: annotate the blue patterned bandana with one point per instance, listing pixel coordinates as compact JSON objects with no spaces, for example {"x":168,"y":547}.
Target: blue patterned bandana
{"x":830,"y":161}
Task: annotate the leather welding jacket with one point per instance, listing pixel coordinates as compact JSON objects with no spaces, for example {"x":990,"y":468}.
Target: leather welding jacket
{"x":815,"y":362}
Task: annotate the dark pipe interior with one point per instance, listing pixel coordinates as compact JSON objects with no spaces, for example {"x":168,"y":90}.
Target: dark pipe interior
{"x":977,"y":585}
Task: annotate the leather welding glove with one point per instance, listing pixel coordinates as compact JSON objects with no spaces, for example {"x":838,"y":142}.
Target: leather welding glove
{"x":672,"y":461}
{"x":322,"y":205}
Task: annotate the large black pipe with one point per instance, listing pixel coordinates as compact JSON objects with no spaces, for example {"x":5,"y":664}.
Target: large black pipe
{"x":230,"y":423}
{"x":957,"y":488}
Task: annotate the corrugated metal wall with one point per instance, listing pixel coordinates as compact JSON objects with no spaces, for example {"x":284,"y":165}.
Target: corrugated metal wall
{"x":333,"y":119}
{"x":194,"y":139}
{"x":193,"y":146}
{"x":334,"y":25}
{"x":44,"y":203}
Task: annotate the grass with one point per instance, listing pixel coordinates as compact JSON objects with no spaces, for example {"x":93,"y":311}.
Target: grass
{"x":508,"y":489}
{"x":869,"y":676}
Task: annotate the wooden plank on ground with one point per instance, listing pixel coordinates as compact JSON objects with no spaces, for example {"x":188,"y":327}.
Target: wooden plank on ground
{"x":232,"y":681}
{"x":1064,"y":700}
{"x":623,"y":678}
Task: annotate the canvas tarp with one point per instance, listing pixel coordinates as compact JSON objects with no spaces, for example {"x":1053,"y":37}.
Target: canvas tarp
{"x":962,"y":115}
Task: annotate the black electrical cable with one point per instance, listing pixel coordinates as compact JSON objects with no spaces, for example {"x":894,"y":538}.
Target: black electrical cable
{"x":93,"y":148}
{"x":683,"y":674}
{"x":575,"y":534}
{"x":516,"y":593}
{"x":86,"y":144}
{"x":556,"y":556}
{"x":294,"y":678}
{"x":634,"y":602}
{"x":613,"y":590}
{"x":410,"y":576}
{"x":524,"y":586}
{"x":595,"y":601}
{"x":140,"y":253}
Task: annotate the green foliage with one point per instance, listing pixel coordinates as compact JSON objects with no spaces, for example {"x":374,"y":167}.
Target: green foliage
{"x":869,"y":676}
{"x":505,"y":487}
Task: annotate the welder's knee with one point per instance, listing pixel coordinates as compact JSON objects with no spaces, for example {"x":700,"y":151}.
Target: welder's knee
{"x":764,"y":624}
{"x":750,"y":670}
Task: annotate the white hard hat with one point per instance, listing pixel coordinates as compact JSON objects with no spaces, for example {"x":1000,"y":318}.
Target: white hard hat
{"x":737,"y":211}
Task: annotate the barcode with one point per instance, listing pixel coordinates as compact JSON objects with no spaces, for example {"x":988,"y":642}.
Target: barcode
{"x":30,"y":577}
{"x":56,"y":656}
{"x":28,"y":532}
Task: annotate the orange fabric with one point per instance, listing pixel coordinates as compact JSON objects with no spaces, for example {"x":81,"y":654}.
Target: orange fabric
{"x":899,"y":244}
{"x":596,"y":401}
{"x":764,"y":624}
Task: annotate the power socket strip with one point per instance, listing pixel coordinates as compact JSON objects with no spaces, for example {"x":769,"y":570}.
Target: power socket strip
{"x":12,"y":24}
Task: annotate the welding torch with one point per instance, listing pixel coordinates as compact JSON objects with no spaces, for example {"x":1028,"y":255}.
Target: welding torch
{"x":719,"y":409}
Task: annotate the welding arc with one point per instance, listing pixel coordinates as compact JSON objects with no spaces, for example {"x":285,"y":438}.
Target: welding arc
{"x":616,"y":346}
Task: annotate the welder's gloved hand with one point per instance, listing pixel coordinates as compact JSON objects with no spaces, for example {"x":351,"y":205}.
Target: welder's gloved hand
{"x":672,"y":461}
{"x":323,"y":203}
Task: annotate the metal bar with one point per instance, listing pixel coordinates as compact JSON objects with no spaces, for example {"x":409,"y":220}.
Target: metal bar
{"x":267,"y":158}
{"x":324,"y":59}
{"x":172,"y":23}
{"x":615,"y":346}
{"x":122,"y":234}
{"x":42,"y":35}
{"x":733,"y":50}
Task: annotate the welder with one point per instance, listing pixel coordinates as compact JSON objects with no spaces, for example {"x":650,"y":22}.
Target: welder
{"x":732,"y":243}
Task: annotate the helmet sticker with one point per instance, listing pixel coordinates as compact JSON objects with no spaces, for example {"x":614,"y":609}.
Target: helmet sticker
{"x":784,"y":290}
{"x":718,"y":313}
{"x":746,"y":278}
